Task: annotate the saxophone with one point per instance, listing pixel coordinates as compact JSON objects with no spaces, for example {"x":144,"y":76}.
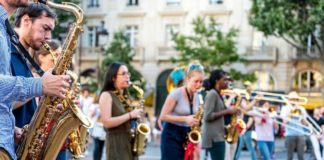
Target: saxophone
{"x":52,"y":122}
{"x":141,"y":129}
{"x":234,"y":129}
{"x":78,"y":137}
{"x":194,"y":135}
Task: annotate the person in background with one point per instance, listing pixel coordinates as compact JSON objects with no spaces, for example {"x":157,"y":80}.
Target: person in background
{"x":264,"y":127}
{"x":178,"y":114}
{"x":295,"y":134}
{"x":317,"y":139}
{"x":246,"y":137}
{"x":98,"y":133}
{"x":86,"y":101}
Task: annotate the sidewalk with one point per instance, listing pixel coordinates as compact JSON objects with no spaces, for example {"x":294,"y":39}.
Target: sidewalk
{"x":153,"y":152}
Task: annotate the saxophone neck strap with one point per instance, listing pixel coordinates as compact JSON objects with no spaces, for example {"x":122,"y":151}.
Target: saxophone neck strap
{"x":190,"y":98}
{"x":15,"y":41}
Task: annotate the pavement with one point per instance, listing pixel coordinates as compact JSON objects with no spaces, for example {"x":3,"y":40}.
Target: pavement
{"x":153,"y":152}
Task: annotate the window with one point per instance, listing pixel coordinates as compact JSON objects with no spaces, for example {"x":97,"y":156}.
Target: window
{"x":259,"y":41}
{"x":92,"y":36}
{"x":308,"y":81}
{"x":169,"y":29}
{"x":264,"y":81}
{"x":215,"y":1}
{"x":132,"y":33}
{"x":172,"y":2}
{"x":132,"y":3}
{"x":93,"y":3}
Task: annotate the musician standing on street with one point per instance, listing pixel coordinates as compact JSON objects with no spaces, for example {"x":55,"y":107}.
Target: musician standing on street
{"x":214,"y":111}
{"x":29,"y":25}
{"x":178,"y":114}
{"x":115,"y":118}
{"x":294,"y":139}
{"x":18,"y":88}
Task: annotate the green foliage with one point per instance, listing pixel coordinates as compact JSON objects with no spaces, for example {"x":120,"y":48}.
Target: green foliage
{"x":292,"y":20}
{"x":63,"y":17}
{"x":121,"y":51}
{"x":210,"y":46}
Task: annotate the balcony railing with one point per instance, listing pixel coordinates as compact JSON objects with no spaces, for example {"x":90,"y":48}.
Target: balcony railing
{"x":266,"y":53}
{"x":305,"y":54}
{"x":90,"y":53}
{"x":165,"y":53}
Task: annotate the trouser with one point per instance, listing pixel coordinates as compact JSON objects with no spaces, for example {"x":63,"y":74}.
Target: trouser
{"x":295,"y":142}
{"x":4,"y":154}
{"x":230,"y":150}
{"x":98,"y":148}
{"x":247,"y":139}
{"x":217,"y":151}
{"x":266,"y":148}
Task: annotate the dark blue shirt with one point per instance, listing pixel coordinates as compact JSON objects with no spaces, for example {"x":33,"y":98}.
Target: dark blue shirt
{"x":19,"y":67}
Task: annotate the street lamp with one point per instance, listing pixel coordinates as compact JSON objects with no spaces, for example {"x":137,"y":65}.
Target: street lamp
{"x":101,"y":39}
{"x":101,"y":31}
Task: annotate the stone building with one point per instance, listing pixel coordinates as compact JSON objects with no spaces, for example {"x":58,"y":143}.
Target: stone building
{"x":148,"y":23}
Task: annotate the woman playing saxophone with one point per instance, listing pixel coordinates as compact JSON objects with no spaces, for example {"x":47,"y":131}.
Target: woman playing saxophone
{"x":115,"y":117}
{"x":178,"y":113}
{"x":214,"y":111}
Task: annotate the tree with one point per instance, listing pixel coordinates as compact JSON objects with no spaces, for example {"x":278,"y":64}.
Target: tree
{"x":63,"y":19}
{"x":121,"y":51}
{"x":298,"y":22}
{"x":210,"y":46}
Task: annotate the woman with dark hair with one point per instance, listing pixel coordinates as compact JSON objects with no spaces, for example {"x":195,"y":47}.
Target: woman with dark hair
{"x":178,"y":114}
{"x":114,"y":115}
{"x":214,"y":111}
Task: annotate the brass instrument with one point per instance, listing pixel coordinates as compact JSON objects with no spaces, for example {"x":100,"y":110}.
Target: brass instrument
{"x":49,"y":49}
{"x":141,"y":129}
{"x":194,"y":135}
{"x":52,"y":123}
{"x":266,"y":96}
{"x":236,"y":126}
{"x":260,"y":112}
{"x":77,"y":138}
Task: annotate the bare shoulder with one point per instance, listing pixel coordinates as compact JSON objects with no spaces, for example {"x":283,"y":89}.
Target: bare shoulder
{"x":105,"y":96}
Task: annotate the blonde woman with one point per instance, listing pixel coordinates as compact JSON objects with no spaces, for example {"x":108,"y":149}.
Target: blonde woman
{"x":178,"y":114}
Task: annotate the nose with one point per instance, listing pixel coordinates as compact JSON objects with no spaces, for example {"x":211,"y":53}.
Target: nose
{"x":48,"y":36}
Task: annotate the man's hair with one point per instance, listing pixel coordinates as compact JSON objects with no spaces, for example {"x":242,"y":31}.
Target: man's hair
{"x":33,"y":10}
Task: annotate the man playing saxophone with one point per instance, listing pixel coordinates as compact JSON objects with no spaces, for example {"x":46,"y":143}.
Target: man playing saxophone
{"x":19,"y":88}
{"x":32,"y":24}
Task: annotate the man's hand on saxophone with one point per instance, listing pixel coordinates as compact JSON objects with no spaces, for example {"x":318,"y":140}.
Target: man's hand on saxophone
{"x":55,"y":85}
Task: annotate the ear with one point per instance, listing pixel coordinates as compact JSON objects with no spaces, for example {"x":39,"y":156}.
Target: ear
{"x":25,"y":20}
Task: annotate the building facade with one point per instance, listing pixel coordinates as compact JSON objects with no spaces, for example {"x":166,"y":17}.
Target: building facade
{"x":148,"y":23}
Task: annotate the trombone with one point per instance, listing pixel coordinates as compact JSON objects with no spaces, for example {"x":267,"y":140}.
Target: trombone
{"x":260,"y":112}
{"x":312,"y":126}
{"x":266,"y":96}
